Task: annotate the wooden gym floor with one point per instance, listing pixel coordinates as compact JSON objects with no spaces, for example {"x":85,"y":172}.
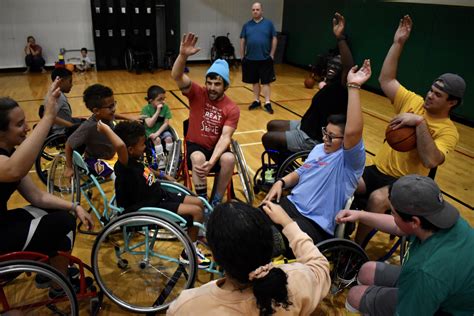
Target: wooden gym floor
{"x":289,"y":99}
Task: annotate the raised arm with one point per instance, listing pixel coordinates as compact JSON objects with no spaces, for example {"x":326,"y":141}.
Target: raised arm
{"x":354,"y":123}
{"x":388,"y":74}
{"x":186,"y":49}
{"x":347,"y":62}
{"x":116,"y":141}
{"x":17,"y":166}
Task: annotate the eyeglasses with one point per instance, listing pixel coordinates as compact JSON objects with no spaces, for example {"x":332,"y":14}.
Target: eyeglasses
{"x":328,"y":136}
{"x":110,"y":107}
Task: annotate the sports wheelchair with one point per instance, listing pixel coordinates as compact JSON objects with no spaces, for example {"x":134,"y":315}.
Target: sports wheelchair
{"x":18,"y":292}
{"x":136,"y":60}
{"x":270,"y":171}
{"x":173,"y":157}
{"x":222,"y":48}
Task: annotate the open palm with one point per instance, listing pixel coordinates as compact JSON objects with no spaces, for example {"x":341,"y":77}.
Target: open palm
{"x":404,"y":29}
{"x":360,"y":76}
{"x":188,"y":45}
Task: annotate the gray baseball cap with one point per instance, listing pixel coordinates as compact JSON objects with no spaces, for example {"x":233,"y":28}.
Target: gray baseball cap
{"x":452,"y":84}
{"x":420,"y":196}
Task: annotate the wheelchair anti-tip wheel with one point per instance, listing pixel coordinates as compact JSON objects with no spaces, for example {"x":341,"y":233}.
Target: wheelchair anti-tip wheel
{"x":60,"y":185}
{"x":137,"y":270}
{"x":52,"y":146}
{"x":244,"y":176}
{"x":345,"y":259}
{"x":18,"y":292}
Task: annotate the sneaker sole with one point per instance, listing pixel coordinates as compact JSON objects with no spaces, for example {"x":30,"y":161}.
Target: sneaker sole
{"x":186,"y":262}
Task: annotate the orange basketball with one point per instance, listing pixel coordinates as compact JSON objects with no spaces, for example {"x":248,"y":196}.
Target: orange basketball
{"x":401,"y":139}
{"x":309,"y":83}
{"x":70,"y":67}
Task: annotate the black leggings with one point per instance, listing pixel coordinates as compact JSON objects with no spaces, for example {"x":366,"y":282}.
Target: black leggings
{"x":34,"y":229}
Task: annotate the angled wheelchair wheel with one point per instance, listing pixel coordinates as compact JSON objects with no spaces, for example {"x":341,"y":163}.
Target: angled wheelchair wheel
{"x":52,"y":146}
{"x":174,"y":159}
{"x":345,"y":259}
{"x":61,"y":186}
{"x":292,"y":163}
{"x":139,"y":271}
{"x":129,"y":60}
{"x":19,"y":294}
{"x":244,"y":176}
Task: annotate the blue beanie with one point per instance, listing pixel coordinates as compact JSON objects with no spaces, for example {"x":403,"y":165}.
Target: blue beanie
{"x":220,"y":67}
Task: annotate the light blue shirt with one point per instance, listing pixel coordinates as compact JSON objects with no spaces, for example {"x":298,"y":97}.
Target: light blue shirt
{"x":326,"y":182}
{"x":258,"y":39}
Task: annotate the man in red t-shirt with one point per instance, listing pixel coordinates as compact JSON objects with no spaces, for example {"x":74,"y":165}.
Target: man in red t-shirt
{"x":213,"y":119}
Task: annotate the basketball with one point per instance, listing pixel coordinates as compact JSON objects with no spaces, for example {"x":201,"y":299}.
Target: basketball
{"x":309,"y":83}
{"x":70,"y":67}
{"x":402,"y":139}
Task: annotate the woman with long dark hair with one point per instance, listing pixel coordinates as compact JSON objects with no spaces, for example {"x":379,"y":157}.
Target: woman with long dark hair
{"x":241,"y":240}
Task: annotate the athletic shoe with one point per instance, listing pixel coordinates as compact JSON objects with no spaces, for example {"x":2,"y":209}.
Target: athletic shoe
{"x":43,"y":282}
{"x":268,"y":107}
{"x":76,"y":285}
{"x":254,"y":105}
{"x":203,"y":262}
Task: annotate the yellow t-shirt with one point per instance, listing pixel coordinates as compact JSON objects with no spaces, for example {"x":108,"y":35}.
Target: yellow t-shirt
{"x":443,"y":131}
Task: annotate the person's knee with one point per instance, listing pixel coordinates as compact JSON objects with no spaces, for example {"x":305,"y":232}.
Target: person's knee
{"x":227,"y":160}
{"x":168,"y":140}
{"x":366,"y":275}
{"x":378,"y":201}
{"x":355,"y":295}
{"x":197,"y":158}
{"x":272,"y":125}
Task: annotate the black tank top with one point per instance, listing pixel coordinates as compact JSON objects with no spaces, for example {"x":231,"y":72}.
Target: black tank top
{"x":6,"y":188}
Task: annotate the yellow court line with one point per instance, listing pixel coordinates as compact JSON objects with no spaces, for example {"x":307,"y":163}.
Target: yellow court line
{"x":248,"y":132}
{"x":250,"y":144}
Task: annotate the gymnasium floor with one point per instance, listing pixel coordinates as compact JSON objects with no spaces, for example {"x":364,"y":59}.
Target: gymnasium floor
{"x":290,"y":100}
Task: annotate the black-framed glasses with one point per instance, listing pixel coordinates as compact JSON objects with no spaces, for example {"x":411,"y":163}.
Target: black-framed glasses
{"x":329,"y":136}
{"x":110,"y":106}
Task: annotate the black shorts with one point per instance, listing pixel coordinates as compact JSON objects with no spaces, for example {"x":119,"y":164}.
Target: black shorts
{"x":170,"y":201}
{"x":192,"y":147}
{"x":255,"y":71}
{"x":310,"y":227}
{"x":374,"y":179}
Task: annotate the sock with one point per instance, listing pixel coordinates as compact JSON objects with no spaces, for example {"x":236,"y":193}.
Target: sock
{"x":159,"y":149}
{"x":201,"y":190}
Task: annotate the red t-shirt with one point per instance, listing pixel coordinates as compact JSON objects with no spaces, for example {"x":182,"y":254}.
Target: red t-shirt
{"x":207,"y":118}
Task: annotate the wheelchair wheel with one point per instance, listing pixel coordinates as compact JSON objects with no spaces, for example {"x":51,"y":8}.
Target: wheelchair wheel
{"x":244,"y":176}
{"x":345,"y":259}
{"x":213,"y":54}
{"x":57,"y":184}
{"x":52,"y":146}
{"x":19,"y":293}
{"x":174,"y":159}
{"x":137,"y":270}
{"x":129,"y":62}
{"x":292,"y":163}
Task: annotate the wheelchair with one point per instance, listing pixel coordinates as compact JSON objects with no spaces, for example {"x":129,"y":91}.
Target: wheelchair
{"x":18,"y":292}
{"x":137,"y":60}
{"x":222,"y":48}
{"x":173,"y":158}
{"x":270,"y":171}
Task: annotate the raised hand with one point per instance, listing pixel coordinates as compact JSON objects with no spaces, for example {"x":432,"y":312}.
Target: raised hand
{"x":404,"y":30}
{"x":360,"y":76}
{"x":276,"y":213}
{"x":50,"y":108}
{"x":188,"y":45}
{"x":338,"y":25}
{"x":345,"y":216}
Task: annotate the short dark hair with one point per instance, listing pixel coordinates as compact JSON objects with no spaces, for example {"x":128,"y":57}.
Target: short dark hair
{"x":241,"y":240}
{"x":61,"y":73}
{"x":424,"y":223}
{"x":28,"y":38}
{"x":130,"y":132}
{"x":451,"y":98}
{"x":339,"y":120}
{"x":153,"y":92}
{"x":214,"y":76}
{"x":6,"y":105}
{"x":84,"y":49}
{"x":93,"y":95}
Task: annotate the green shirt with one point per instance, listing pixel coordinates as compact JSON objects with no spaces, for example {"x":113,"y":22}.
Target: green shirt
{"x":149,"y":110}
{"x":439,"y":273}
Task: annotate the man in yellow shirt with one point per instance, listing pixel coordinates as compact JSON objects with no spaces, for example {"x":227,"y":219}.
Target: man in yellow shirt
{"x":436,"y":134}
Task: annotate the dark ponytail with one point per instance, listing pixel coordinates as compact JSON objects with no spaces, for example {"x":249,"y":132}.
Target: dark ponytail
{"x":271,"y":291}
{"x":241,"y":240}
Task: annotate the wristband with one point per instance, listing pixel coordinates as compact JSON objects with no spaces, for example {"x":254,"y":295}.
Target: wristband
{"x":353,"y":85}
{"x":282,"y":181}
{"x":73,"y":208}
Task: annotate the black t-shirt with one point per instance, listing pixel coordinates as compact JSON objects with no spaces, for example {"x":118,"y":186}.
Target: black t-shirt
{"x":331,"y":99}
{"x":6,"y":188}
{"x":136,"y":186}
